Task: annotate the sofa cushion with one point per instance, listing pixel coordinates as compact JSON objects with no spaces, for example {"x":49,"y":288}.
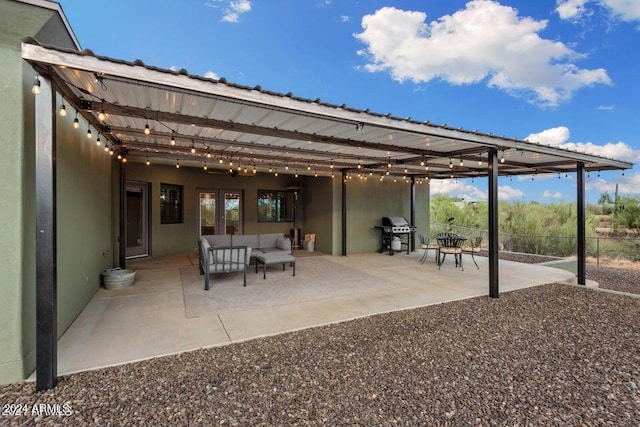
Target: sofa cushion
{"x":219,"y":239}
{"x":245,"y":240}
{"x":269,"y":240}
{"x":283,"y":243}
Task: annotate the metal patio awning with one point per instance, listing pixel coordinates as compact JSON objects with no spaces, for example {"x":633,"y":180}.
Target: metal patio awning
{"x":198,"y":121}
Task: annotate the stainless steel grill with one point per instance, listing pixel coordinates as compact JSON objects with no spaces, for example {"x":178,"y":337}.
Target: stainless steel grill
{"x":395,"y":226}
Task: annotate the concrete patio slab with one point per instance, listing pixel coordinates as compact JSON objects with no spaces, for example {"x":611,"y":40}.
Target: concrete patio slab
{"x":149,"y":319}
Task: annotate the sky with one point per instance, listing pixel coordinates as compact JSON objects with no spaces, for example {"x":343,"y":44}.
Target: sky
{"x":559,"y":72}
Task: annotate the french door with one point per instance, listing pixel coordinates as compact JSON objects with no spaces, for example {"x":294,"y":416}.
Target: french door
{"x":220,"y":212}
{"x":137,"y":224}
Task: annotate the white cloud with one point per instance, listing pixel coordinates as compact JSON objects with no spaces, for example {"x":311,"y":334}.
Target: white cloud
{"x":627,"y":10}
{"x":344,"y":18}
{"x":507,"y":193}
{"x":549,"y":195}
{"x":211,"y":75}
{"x":484,"y":42}
{"x":455,"y":188}
{"x":628,"y":184}
{"x":559,"y":137}
{"x":570,"y":9}
{"x":607,"y":107}
{"x":462,"y":189}
{"x":231,"y":9}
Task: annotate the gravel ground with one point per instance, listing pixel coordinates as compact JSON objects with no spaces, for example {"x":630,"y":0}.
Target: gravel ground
{"x":617,"y":279}
{"x":550,"y":355}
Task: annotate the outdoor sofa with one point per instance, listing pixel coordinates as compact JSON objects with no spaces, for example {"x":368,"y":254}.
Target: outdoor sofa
{"x":265,"y":249}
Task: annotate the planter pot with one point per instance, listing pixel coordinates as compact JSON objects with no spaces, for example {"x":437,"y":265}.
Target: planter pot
{"x":116,"y":278}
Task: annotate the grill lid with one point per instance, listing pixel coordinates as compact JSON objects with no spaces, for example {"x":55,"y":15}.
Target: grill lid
{"x":394,"y":221}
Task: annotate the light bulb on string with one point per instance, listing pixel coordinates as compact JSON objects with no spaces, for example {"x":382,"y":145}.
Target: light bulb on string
{"x":89,"y":133}
{"x":147,"y":129}
{"x":101,"y":115}
{"x":173,"y":138}
{"x":36,"y":86}
{"x":147,"y":162}
{"x":76,"y":122}
{"x":98,"y":142}
{"x":63,"y":110}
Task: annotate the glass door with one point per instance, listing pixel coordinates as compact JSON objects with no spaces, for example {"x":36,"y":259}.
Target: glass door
{"x":232,"y":220}
{"x":207,"y":211}
{"x":220,"y":212}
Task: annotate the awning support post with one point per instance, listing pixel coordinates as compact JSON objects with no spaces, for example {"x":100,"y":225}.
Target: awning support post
{"x":413,"y":214}
{"x":122,"y":240}
{"x":46,"y":257}
{"x":344,"y":212}
{"x":493,"y":223}
{"x":581,"y":219}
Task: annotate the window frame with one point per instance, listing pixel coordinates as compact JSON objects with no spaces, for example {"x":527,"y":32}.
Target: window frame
{"x":168,"y":215}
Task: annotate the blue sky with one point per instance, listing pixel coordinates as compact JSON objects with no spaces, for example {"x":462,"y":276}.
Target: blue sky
{"x":563,"y":73}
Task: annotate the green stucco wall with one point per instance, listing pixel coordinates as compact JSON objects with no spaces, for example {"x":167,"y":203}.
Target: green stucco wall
{"x":17,"y":185}
{"x":12,"y":226}
{"x":168,"y":239}
{"x":84,"y":222}
{"x":369,"y":200}
{"x":319,"y":207}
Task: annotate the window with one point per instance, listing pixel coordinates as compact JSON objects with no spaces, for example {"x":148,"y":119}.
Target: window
{"x":275,"y":206}
{"x":170,"y":204}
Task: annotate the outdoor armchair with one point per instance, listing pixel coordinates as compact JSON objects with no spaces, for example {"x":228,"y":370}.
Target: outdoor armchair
{"x":222,"y":259}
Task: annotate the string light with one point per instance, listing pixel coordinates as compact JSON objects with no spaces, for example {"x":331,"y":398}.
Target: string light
{"x":101,"y":115}
{"x":147,"y":129}
{"x":461,"y":162}
{"x":205,"y":166}
{"x":76,"y":122}
{"x":450,"y":164}
{"x":177,"y":164}
{"x":98,"y":142}
{"x":502,"y":158}
{"x":173,"y":138}
{"x":106,"y":147}
{"x":89,"y":133}
{"x":148,"y":162}
{"x":63,"y":110}
{"x":36,"y":86}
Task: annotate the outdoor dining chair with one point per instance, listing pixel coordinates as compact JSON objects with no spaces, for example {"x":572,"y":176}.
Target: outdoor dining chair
{"x":450,"y":244}
{"x":424,"y":244}
{"x":473,"y":249}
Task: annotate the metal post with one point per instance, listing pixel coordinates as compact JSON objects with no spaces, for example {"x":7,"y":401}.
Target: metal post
{"x":344,"y":212}
{"x":122,"y":239}
{"x":581,"y":217}
{"x":46,"y":257}
{"x":598,"y":251}
{"x":493,"y":223}
{"x":412,"y":236}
